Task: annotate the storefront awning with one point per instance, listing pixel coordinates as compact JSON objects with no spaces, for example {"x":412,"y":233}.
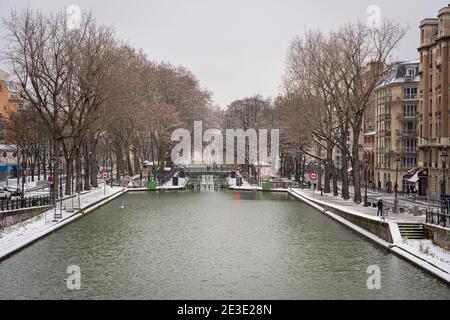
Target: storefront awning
{"x":414,"y":178}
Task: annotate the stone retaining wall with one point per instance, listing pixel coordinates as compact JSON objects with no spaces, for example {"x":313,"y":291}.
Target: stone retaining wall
{"x":439,"y":235}
{"x":8,"y":218}
{"x":378,"y":228}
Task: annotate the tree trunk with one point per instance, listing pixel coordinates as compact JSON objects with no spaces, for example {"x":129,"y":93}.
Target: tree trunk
{"x":94,"y":170}
{"x":87,"y":183}
{"x":327,"y":187}
{"x":137,"y":163}
{"x":44,"y":163}
{"x":69,"y":173}
{"x":39,"y":167}
{"x":56,"y":150}
{"x":334,"y":178}
{"x":355,"y":161}
{"x":319,"y":171}
{"x":78,"y":181}
{"x":129,"y":167}
{"x":119,"y":161}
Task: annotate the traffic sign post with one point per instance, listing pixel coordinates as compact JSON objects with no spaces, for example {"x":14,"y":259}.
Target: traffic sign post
{"x":312,"y":176}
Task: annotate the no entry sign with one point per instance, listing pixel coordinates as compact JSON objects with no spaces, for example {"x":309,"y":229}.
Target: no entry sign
{"x":313,"y":176}
{"x":105,"y":175}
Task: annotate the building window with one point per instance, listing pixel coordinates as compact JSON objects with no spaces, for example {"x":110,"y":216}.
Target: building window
{"x":410,"y":93}
{"x":409,"y":111}
{"x":409,"y":161}
{"x":411,"y":73}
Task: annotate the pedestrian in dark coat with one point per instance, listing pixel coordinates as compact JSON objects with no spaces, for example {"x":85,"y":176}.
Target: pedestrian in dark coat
{"x":380,"y":208}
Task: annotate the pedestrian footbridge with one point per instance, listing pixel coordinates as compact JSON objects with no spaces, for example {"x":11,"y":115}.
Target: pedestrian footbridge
{"x":206,"y":178}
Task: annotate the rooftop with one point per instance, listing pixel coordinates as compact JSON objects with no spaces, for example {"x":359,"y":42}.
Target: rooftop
{"x":4,"y":75}
{"x":399,"y":73}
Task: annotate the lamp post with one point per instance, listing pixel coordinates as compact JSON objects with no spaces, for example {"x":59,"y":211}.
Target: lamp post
{"x":444,"y":158}
{"x":366,"y":164}
{"x":397,"y":160}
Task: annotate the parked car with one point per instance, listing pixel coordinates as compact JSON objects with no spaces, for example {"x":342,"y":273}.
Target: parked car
{"x":5,"y":193}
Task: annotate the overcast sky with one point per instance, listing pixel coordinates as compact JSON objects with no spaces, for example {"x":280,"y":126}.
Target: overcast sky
{"x":236,"y":48}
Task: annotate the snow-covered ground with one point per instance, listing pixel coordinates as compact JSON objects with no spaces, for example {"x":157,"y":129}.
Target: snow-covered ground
{"x":421,"y":252}
{"x":427,"y":250}
{"x":359,"y":209}
{"x":16,"y":236}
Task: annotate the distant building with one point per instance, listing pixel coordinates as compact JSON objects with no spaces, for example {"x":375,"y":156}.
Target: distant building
{"x":434,"y":101}
{"x":396,"y":124}
{"x":10,"y":100}
{"x":368,"y":134}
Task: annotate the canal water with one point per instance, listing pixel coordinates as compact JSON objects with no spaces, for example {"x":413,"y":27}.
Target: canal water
{"x":210,"y":245}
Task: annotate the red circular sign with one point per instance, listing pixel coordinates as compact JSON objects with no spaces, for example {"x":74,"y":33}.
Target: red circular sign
{"x":313,"y":176}
{"x":50,"y":179}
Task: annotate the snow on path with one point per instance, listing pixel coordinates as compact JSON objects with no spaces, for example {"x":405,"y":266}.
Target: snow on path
{"x":27,"y":231}
{"x":358,"y":209}
{"x":423,"y":249}
{"x":427,"y":250}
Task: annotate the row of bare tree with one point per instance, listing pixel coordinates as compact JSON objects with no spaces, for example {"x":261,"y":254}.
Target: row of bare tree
{"x":91,"y":99}
{"x":328,"y":86}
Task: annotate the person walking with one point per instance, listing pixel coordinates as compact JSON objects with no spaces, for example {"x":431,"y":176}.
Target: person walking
{"x":380,"y":208}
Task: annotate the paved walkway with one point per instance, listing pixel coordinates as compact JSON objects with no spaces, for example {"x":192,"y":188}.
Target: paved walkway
{"x":16,"y":236}
{"x":359,"y":208}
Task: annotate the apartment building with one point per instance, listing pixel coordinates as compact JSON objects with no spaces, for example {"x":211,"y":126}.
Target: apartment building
{"x":10,"y":100}
{"x":396,"y":124}
{"x":434,"y":101}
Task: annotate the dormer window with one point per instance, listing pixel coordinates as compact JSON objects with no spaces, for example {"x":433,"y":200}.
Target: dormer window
{"x":410,"y":73}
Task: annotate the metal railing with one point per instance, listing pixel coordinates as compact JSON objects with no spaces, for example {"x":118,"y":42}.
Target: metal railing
{"x":437,"y":218}
{"x":23,"y":203}
{"x":251,"y":181}
{"x":432,"y":200}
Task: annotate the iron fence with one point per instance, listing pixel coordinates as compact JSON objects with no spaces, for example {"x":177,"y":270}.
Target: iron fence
{"x":437,"y":218}
{"x":22,"y":203}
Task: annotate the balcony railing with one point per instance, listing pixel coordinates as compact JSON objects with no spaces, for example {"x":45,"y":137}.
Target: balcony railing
{"x":408,"y":149}
{"x":407,"y":116}
{"x":410,"y":96}
{"x":383,"y":150}
{"x":406,"y":132}
{"x":384,"y":133}
{"x":384,"y":117}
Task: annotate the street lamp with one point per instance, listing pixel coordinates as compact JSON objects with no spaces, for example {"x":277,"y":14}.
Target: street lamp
{"x":397,"y":160}
{"x":444,"y":158}
{"x":366,"y":164}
